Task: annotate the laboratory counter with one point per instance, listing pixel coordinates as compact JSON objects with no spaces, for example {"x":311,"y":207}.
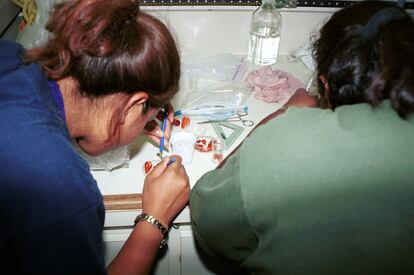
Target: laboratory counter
{"x":122,"y":187}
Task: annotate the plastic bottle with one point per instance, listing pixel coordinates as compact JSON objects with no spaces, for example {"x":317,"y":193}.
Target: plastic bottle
{"x":265,"y":29}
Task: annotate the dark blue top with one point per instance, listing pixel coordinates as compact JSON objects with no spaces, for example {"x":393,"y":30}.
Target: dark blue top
{"x":51,"y":210}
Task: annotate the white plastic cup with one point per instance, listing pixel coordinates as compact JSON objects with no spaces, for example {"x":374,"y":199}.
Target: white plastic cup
{"x":182,"y":144}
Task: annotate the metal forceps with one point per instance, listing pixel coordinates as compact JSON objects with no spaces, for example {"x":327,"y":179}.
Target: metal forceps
{"x":237,"y":118}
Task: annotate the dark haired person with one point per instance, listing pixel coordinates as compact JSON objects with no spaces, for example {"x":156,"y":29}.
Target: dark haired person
{"x":105,"y":73}
{"x":326,"y":191}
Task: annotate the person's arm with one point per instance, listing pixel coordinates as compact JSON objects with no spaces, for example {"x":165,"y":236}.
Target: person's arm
{"x":166,"y":191}
{"x":218,"y":217}
{"x":301,"y":98}
{"x":139,"y":251}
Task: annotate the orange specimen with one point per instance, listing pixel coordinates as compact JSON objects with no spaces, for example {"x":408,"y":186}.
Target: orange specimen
{"x":185,"y":122}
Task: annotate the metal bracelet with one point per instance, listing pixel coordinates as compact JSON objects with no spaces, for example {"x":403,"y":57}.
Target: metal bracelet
{"x":156,"y":223}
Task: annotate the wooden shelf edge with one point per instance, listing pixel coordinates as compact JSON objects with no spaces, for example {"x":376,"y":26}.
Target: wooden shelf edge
{"x":123,"y":202}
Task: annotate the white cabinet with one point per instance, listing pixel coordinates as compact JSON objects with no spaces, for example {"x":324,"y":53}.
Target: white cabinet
{"x":191,"y":260}
{"x":181,"y":257}
{"x":114,"y":239}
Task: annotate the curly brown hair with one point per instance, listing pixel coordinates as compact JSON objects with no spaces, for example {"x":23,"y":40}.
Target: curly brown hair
{"x":366,"y":52}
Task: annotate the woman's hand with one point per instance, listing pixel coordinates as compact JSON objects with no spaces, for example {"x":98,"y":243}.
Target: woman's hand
{"x":166,"y":190}
{"x":165,"y":194}
{"x":153,"y":130}
{"x":300,"y":98}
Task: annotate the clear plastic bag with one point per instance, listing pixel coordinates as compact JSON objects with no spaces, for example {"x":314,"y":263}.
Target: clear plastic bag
{"x":111,"y":160}
{"x":218,"y":101}
{"x":219,"y":67}
{"x":36,"y":34}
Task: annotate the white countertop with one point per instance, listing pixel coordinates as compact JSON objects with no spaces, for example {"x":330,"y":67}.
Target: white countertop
{"x":130,"y":180}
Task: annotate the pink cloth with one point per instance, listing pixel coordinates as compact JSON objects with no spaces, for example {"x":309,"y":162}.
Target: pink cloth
{"x":273,"y":85}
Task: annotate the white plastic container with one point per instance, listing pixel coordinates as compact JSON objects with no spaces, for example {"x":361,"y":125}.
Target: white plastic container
{"x":182,"y":144}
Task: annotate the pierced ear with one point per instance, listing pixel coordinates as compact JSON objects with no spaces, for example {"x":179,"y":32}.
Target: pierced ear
{"x":137,"y":100}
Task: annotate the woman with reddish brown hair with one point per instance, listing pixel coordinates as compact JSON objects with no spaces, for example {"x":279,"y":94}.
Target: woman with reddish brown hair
{"x":100,"y":80}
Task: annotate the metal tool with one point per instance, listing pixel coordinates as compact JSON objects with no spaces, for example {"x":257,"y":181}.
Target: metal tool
{"x":237,"y":118}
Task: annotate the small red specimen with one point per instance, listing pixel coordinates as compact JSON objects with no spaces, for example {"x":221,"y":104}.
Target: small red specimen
{"x":176,"y":122}
{"x":147,"y":167}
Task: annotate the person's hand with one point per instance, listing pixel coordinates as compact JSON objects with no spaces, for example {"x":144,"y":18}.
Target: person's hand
{"x":153,"y":130}
{"x":300,"y":98}
{"x":166,"y":190}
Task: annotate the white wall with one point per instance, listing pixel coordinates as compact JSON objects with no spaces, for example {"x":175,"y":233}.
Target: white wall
{"x":226,"y":29}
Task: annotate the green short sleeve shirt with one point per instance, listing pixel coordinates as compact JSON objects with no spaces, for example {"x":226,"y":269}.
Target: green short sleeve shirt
{"x":314,"y":192}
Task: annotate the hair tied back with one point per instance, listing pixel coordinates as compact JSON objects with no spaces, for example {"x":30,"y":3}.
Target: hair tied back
{"x":379,"y":19}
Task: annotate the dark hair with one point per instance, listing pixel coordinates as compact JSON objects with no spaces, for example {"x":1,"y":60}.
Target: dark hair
{"x":366,"y":52}
{"x":110,"y":46}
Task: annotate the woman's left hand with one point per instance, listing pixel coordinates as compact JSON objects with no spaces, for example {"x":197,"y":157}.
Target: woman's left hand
{"x":153,"y":130}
